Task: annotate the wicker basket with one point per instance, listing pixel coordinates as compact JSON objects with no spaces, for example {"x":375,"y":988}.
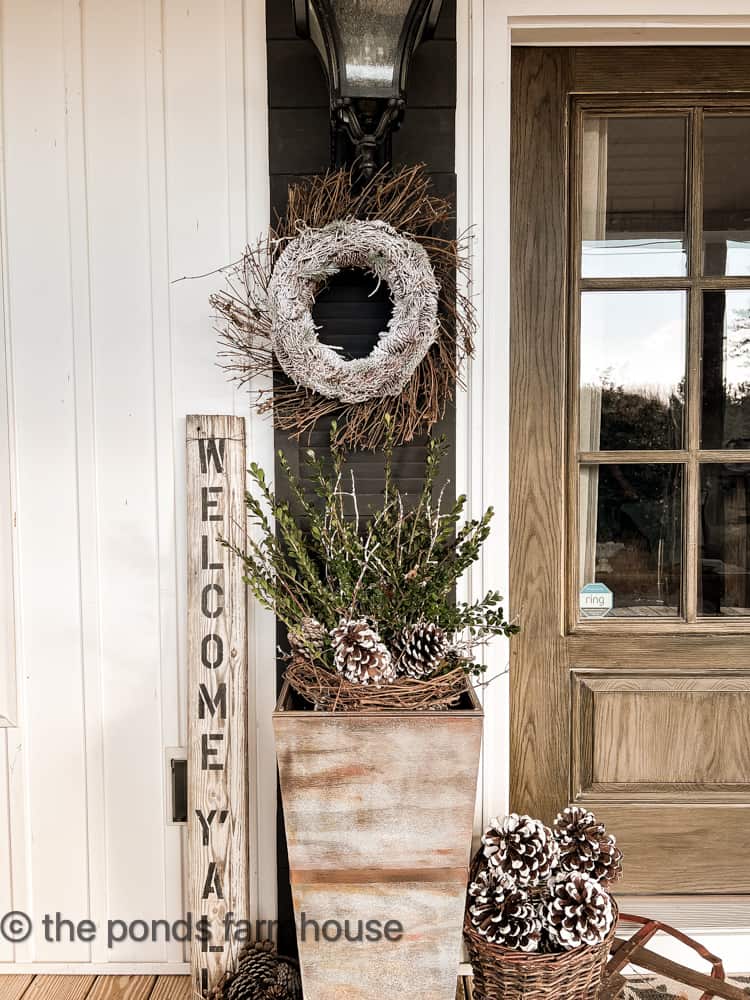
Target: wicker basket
{"x":504,"y":974}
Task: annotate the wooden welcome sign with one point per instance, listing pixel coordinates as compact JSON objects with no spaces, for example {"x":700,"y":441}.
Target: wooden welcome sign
{"x":217,"y":697}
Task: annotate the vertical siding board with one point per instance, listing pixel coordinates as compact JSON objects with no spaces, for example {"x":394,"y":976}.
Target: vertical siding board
{"x":8,"y":700}
{"x":197,"y":209}
{"x":118,"y":202}
{"x":262,"y":623}
{"x":8,"y":691}
{"x":6,"y":897}
{"x":209,"y":200}
{"x":198,"y":200}
{"x":239,"y":91}
{"x":40,"y":301}
{"x":173,"y":708}
{"x":18,"y":844}
{"x":88,"y":517}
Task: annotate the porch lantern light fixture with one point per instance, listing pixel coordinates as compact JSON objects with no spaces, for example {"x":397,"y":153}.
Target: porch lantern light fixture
{"x":366,"y":47}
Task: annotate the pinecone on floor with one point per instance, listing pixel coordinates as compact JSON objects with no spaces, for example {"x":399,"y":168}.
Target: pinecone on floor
{"x":262,"y":974}
{"x":585,"y":845}
{"x":521,"y":847}
{"x":420,"y":649}
{"x":307,"y":637}
{"x":579,"y":911}
{"x":359,"y":653}
{"x":503,"y":913}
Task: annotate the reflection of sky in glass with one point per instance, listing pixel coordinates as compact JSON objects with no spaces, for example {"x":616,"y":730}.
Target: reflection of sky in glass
{"x":633,"y":339}
{"x":736,"y":333}
{"x":637,"y":258}
{"x":738,"y":258}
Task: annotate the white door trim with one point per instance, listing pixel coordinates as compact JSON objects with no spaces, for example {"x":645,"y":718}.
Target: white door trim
{"x":260,"y":449}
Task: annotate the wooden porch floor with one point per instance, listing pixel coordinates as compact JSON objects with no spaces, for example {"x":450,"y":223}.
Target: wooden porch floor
{"x":94,"y":987}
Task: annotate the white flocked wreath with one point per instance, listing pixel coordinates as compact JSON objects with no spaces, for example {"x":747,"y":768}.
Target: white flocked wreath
{"x":307,"y":263}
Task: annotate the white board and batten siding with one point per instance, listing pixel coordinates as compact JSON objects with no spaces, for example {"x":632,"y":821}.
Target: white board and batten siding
{"x":134,"y":152}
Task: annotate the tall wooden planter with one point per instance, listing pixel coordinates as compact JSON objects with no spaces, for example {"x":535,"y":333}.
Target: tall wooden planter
{"x":378,"y":808}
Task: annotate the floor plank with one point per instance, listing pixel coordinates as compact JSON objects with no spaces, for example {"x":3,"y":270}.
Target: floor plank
{"x":172,"y":988}
{"x":122,"y":988}
{"x":13,"y":987}
{"x":59,"y":988}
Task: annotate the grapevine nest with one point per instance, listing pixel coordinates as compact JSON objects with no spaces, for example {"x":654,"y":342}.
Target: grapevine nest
{"x":331,"y":692}
{"x":249,"y":310}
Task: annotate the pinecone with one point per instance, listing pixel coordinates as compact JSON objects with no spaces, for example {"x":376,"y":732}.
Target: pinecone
{"x":420,"y":649}
{"x":579,"y":912}
{"x":521,"y":847}
{"x":585,"y":846}
{"x":359,"y":654}
{"x":503,"y":913}
{"x":262,"y":974}
{"x":307,"y":636}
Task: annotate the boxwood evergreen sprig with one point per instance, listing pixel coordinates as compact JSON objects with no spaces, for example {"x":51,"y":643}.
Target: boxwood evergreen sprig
{"x":322,"y":558}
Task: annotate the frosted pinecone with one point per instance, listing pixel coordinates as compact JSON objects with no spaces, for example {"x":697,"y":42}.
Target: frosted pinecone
{"x":521,"y":847}
{"x":359,"y":653}
{"x":307,"y":636}
{"x":585,"y":845}
{"x":503,"y":913}
{"x":262,"y":974}
{"x":579,"y":911}
{"x":421,"y":649}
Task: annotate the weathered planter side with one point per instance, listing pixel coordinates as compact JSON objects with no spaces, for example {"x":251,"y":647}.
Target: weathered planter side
{"x":378,"y":810}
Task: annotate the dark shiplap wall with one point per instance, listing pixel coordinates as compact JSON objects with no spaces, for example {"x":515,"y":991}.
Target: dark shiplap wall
{"x":299,"y":145}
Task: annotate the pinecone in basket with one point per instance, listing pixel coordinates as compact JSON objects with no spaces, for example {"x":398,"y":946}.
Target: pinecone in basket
{"x":307,"y":636}
{"x":522,"y":847}
{"x":420,"y":649}
{"x":503,"y":913}
{"x":359,"y":653}
{"x":579,"y":911}
{"x":262,"y":974}
{"x":585,"y":845}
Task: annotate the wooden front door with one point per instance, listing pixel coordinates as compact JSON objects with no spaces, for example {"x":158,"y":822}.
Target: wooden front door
{"x":630,"y":464}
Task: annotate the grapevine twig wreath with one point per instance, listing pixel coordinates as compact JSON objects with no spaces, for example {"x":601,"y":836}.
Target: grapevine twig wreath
{"x":390,"y":228}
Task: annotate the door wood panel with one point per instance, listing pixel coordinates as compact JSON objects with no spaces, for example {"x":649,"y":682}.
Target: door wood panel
{"x":692,"y":732}
{"x":682,"y":847}
{"x":647,"y":719}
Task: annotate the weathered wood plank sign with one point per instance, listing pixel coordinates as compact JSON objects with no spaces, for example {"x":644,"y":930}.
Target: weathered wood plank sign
{"x":217,"y":696}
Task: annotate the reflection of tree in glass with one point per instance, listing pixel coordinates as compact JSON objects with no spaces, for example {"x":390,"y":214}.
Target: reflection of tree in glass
{"x":640,"y":417}
{"x":638,"y":522}
{"x":725,"y":552}
{"x":738,"y":349}
{"x":736,"y":402}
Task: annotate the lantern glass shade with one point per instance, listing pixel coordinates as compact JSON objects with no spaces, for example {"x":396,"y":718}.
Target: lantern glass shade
{"x":368,"y":41}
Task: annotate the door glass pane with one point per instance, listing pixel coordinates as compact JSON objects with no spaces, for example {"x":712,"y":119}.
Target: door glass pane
{"x":726,"y":194}
{"x":632,"y":376}
{"x":630,"y":536}
{"x":725,"y":370}
{"x":633,"y":196}
{"x":724,"y":585}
